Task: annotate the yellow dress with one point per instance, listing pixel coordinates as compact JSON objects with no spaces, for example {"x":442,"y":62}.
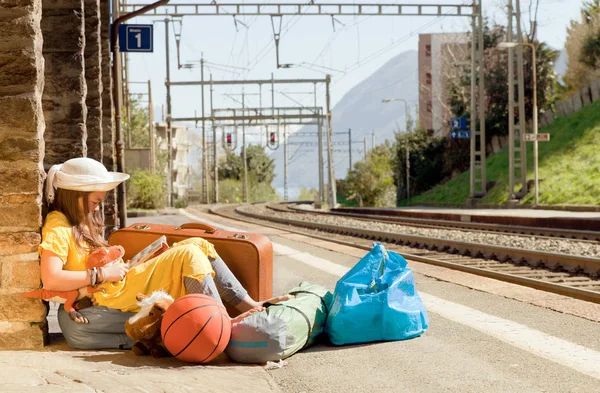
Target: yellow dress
{"x":188,"y":258}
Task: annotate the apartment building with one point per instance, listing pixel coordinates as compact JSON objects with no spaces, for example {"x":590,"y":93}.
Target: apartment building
{"x":179,"y":154}
{"x":442,"y":58}
{"x":142,"y":157}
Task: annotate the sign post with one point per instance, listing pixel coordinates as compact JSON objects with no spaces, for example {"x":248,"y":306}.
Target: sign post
{"x":458,"y":123}
{"x":460,"y":134}
{"x":536,"y":138}
{"x":136,"y":38}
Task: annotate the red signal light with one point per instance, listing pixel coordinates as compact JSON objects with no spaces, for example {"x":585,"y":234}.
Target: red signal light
{"x":272,"y":136}
{"x":229,"y":139}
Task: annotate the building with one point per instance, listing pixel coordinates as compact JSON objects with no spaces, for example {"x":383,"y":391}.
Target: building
{"x":180,"y":152}
{"x":144,"y":158}
{"x":442,"y":59}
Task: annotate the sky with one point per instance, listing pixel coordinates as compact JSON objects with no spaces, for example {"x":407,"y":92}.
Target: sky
{"x":356,"y":49}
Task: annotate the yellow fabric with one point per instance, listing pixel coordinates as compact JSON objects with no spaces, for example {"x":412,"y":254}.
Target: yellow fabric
{"x":57,"y":236}
{"x":187,"y":258}
{"x":164,"y":272}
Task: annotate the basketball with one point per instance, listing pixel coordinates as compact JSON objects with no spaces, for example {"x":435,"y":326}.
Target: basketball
{"x":196,"y":328}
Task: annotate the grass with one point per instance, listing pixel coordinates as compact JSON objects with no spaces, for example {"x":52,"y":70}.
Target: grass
{"x":569,"y":167}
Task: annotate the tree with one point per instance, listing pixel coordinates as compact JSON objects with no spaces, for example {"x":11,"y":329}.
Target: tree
{"x":261,"y":169}
{"x":308,"y":194}
{"x":137,"y":130}
{"x":371,"y":181}
{"x":583,"y":48}
{"x":496,"y":82}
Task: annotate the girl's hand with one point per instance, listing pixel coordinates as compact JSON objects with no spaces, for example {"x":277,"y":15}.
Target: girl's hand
{"x":115,"y":272}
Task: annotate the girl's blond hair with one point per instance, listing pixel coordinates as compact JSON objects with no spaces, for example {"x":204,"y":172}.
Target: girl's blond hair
{"x":88,"y":227}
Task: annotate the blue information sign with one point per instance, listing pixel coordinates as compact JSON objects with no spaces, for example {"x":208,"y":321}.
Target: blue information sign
{"x":136,"y":38}
{"x":458,"y":123}
{"x":460,"y":134}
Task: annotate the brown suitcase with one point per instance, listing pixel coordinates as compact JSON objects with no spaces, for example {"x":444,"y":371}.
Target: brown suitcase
{"x":248,"y":255}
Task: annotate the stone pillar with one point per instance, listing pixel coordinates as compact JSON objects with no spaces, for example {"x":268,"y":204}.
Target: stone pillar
{"x":108,"y":115}
{"x":64,"y":94}
{"x":93,"y":79}
{"x":22,"y":321}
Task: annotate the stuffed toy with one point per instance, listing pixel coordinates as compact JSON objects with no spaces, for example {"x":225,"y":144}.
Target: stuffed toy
{"x":98,"y":258}
{"x":144,"y":327}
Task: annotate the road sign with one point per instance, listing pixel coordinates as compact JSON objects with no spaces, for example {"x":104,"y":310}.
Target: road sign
{"x":460,"y":134}
{"x":136,"y":38}
{"x":538,"y":137}
{"x":458,"y":123}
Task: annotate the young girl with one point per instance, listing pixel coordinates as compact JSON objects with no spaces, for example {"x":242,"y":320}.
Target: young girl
{"x":74,"y":228}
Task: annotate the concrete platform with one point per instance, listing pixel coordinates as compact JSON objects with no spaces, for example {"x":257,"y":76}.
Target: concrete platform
{"x":484,"y":335}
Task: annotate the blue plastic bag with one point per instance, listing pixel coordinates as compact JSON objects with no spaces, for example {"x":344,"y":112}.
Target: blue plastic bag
{"x":376,"y":301}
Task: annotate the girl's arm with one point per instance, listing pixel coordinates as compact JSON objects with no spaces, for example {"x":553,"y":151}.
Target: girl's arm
{"x":57,"y":279}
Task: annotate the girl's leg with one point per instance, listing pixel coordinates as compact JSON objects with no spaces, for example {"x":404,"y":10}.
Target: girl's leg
{"x":208,"y":287}
{"x":232,"y":292}
{"x":105,"y":330}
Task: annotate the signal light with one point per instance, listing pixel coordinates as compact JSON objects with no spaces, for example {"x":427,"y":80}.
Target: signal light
{"x":228,"y":139}
{"x":272,"y":138}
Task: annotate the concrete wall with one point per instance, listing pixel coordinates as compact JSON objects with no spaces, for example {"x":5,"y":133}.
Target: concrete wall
{"x":425,"y":94}
{"x":93,"y":78}
{"x":22,"y":321}
{"x":54,"y":105}
{"x":574,"y":103}
{"x":65,"y":109}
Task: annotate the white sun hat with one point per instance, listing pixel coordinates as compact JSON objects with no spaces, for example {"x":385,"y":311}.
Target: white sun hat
{"x":82,"y":174}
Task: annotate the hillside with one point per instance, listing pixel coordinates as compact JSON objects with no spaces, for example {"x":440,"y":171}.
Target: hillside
{"x":361,"y":110}
{"x":569,"y":167}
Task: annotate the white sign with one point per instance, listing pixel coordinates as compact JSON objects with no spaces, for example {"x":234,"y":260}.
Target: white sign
{"x":538,"y":137}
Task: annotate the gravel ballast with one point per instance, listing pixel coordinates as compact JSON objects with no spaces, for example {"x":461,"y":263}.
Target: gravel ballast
{"x":559,"y":246}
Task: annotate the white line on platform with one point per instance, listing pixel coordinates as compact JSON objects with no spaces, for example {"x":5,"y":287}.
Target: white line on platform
{"x":574,"y":356}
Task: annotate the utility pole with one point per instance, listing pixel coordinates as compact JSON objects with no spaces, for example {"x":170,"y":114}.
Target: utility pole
{"x":127,"y":97}
{"x":477,"y":145}
{"x":169,"y":113}
{"x":151,"y":130}
{"x":285,"y":165}
{"x":205,"y":196}
{"x":350,"y":149}
{"x":373,"y":140}
{"x":332,"y":185}
{"x":321,"y":177}
{"x":407,"y":170}
{"x":365,"y":148}
{"x":244,"y":158}
{"x":517,"y":149}
{"x":216,"y":161}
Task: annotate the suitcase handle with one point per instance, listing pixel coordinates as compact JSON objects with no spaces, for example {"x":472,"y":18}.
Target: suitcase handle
{"x":198,"y":225}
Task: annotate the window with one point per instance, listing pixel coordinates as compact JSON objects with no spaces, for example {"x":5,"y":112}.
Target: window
{"x":428,"y":79}
{"x":428,"y":50}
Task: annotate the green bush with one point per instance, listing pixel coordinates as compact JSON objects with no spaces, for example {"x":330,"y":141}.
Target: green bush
{"x":145,"y":190}
{"x":181,"y":203}
{"x":231,"y":191}
{"x":308,"y":195}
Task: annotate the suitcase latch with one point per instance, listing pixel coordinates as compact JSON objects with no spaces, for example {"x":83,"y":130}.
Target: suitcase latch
{"x":239,"y":236}
{"x":141,"y":227}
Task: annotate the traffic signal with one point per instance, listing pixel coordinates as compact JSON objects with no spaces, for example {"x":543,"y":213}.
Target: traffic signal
{"x":228,"y":139}
{"x":272,"y":138}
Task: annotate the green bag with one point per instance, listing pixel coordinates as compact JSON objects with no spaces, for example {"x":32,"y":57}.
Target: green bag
{"x":283,"y":328}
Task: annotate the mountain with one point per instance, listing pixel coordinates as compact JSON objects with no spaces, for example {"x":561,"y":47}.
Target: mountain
{"x":361,"y":109}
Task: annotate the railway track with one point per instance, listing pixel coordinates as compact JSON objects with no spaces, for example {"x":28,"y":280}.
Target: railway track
{"x":568,"y":275}
{"x":540,"y":232}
